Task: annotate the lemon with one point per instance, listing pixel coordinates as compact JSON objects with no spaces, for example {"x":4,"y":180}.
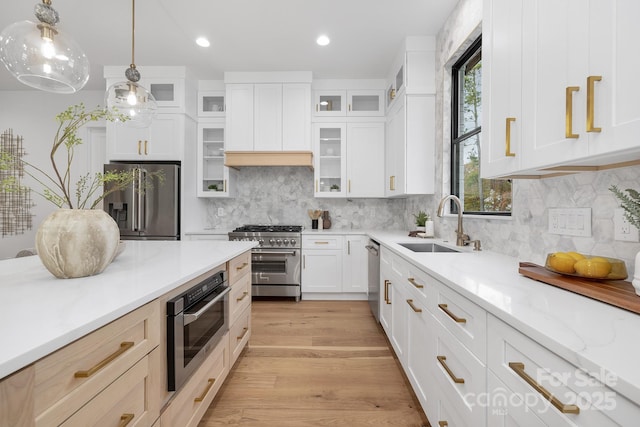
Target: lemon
{"x":562,"y":262}
{"x":595,"y":268}
{"x":576,"y":255}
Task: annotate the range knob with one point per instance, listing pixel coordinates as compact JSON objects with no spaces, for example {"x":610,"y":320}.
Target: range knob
{"x":285,"y":241}
{"x":271,"y":241}
{"x":279,"y":242}
{"x":260,"y":241}
{"x":293,"y":242}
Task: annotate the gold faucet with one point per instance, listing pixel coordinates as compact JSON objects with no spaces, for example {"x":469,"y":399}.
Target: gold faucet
{"x":461,"y":238}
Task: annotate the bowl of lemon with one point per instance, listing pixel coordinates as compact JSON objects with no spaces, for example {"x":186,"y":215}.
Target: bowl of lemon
{"x":586,"y":266}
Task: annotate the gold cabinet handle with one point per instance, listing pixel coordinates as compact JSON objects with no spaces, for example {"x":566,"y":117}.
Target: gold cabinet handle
{"x":413,"y":307}
{"x":244,"y":264}
{"x":146,"y":143}
{"x":140,"y":147}
{"x":348,"y":247}
{"x":304,"y":262}
{"x":349,"y":107}
{"x":508,"y":152}
{"x":125,"y":419}
{"x":225,"y":185}
{"x":321,"y":243}
{"x":518,"y":368}
{"x":244,"y":295}
{"x":244,"y":332}
{"x":316,"y":185}
{"x":200,"y":398}
{"x":414,"y":283}
{"x":124,"y":346}
{"x":317,"y":108}
{"x":442,"y":360}
{"x":443,"y":424}
{"x":392,"y":183}
{"x":457,"y":319}
{"x":591,"y":80}
{"x":349,"y":186}
{"x":386,"y":291}
{"x":568,"y":133}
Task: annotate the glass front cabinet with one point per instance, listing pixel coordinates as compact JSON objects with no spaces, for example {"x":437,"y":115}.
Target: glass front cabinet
{"x":334,"y":103}
{"x":213,"y":175}
{"x":211,"y":103}
{"x":329,"y":155}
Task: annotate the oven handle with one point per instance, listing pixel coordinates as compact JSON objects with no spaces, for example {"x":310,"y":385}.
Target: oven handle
{"x":192,"y":317}
{"x":267,"y":252}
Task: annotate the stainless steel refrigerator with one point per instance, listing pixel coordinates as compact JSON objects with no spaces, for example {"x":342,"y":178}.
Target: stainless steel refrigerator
{"x":150,"y":214}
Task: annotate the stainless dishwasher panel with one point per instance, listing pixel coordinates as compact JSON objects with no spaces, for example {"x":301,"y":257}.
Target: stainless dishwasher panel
{"x":374,"y":277}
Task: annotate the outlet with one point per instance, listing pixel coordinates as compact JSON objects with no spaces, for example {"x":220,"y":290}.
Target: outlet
{"x":570,"y":221}
{"x":220,"y":211}
{"x":622,"y":229}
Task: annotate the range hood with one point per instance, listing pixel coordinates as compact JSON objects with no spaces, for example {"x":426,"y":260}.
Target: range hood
{"x":240,"y":159}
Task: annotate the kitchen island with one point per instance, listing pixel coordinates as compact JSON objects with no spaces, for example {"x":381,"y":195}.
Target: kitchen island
{"x":42,"y":314}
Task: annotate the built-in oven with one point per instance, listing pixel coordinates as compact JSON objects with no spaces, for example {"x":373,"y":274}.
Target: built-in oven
{"x":196,"y":321}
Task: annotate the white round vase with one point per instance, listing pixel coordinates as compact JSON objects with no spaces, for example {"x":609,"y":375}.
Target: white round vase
{"x":636,"y":275}
{"x":77,"y":242}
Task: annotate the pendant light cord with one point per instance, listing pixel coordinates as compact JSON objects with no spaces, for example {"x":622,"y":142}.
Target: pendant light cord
{"x":133,"y":33}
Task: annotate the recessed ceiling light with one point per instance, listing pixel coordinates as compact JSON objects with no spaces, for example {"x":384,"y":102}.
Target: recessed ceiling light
{"x":202,"y":42}
{"x":323,"y":40}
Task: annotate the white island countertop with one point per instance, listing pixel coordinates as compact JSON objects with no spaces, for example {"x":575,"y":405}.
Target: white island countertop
{"x":599,"y":338}
{"x":41,"y":314}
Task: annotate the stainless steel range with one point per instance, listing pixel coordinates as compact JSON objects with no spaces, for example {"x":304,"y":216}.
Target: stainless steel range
{"x":275,"y":264}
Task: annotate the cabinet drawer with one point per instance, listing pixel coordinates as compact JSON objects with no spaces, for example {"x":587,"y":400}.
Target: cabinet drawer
{"x":527,"y":369}
{"x":239,"y":297}
{"x":73,"y":375}
{"x":421,"y":284}
{"x":191,"y":402}
{"x":461,"y":378}
{"x":324,"y":242}
{"x":239,"y":335}
{"x":514,"y":413}
{"x":126,"y":399}
{"x":239,"y":266}
{"x":464,"y":319}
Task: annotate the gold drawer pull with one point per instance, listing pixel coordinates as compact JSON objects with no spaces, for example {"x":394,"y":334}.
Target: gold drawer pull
{"x":568,"y":133}
{"x":508,"y":152}
{"x":386,"y":291}
{"x":392,"y":183}
{"x":146,"y":143}
{"x":244,"y":332}
{"x":414,"y":283}
{"x":518,"y":368}
{"x":444,"y":308}
{"x":591,"y":80}
{"x":125,"y":419}
{"x":140,"y":147}
{"x":443,"y":424}
{"x":244,"y":264}
{"x":413,"y":307}
{"x":321,"y":243}
{"x":244,"y":295}
{"x":442,"y":360}
{"x":200,"y":398}
{"x":124,"y":346}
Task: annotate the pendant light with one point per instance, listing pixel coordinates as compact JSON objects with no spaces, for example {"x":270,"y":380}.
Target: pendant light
{"x":128,"y":97}
{"x":42,"y":56}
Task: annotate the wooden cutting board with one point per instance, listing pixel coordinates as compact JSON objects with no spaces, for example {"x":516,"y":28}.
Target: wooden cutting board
{"x":619,"y":293}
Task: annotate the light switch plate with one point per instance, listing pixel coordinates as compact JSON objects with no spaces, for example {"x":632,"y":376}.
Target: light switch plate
{"x":622,"y":229}
{"x":570,"y":221}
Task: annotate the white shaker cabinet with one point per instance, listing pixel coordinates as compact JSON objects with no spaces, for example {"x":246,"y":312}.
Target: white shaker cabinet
{"x":296,"y":117}
{"x":214,"y":179}
{"x":239,"y":118}
{"x":354,"y":265}
{"x":352,"y":103}
{"x":162,"y":140}
{"x":267,"y":118}
{"x":321,"y":264}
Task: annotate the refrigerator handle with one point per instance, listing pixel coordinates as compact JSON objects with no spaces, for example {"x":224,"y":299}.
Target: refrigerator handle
{"x":142,"y":214}
{"x":134,"y":204}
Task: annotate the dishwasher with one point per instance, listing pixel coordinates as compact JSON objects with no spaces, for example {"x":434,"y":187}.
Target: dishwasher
{"x":373,"y":263}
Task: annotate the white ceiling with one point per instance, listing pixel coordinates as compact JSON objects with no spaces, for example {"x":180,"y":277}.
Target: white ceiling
{"x":245,"y":35}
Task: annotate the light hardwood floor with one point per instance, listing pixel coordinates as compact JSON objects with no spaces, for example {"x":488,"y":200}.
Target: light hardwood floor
{"x":315,"y":363}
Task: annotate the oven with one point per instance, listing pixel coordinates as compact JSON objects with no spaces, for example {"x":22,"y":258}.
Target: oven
{"x":196,"y":321}
{"x":276,"y":262}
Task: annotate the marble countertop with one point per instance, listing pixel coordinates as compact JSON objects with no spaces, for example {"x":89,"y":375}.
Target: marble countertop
{"x":41,"y":314}
{"x":597,"y":337}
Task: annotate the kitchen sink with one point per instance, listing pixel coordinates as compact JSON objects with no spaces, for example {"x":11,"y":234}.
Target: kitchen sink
{"x":427,"y":247}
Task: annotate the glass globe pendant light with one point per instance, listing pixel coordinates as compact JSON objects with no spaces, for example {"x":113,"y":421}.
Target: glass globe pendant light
{"x":41,"y":56}
{"x":129,"y":98}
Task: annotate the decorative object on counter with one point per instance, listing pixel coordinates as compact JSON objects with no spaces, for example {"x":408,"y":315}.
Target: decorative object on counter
{"x":133,"y":99}
{"x":630,"y":202}
{"x":15,"y":198}
{"x":335,"y":187}
{"x":315,"y":215}
{"x":213,"y":187}
{"x":421,"y":219}
{"x":77,"y":234}
{"x":326,"y":220}
{"x":586,"y":266}
{"x":41,"y":56}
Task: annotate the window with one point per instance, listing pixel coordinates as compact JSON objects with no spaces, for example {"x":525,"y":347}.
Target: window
{"x":478,"y":196}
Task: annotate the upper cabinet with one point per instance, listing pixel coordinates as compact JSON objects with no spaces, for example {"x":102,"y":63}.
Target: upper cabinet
{"x":354,"y":103}
{"x":211,"y":103}
{"x":559,"y":98}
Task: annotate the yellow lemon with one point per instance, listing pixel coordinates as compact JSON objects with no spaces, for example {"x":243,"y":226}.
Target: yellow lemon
{"x":561,"y":262}
{"x":576,"y":255}
{"x":595,"y":268}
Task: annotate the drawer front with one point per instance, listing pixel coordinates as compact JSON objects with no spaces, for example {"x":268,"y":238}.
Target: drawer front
{"x":239,"y":297}
{"x":126,"y":399}
{"x":464,"y":319}
{"x":239,"y":335}
{"x":239,"y":266}
{"x":513,"y":412}
{"x":191,"y":402}
{"x":325,"y":242}
{"x":460,"y":376}
{"x":73,"y":375}
{"x":529,"y":370}
{"x":421,"y":284}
